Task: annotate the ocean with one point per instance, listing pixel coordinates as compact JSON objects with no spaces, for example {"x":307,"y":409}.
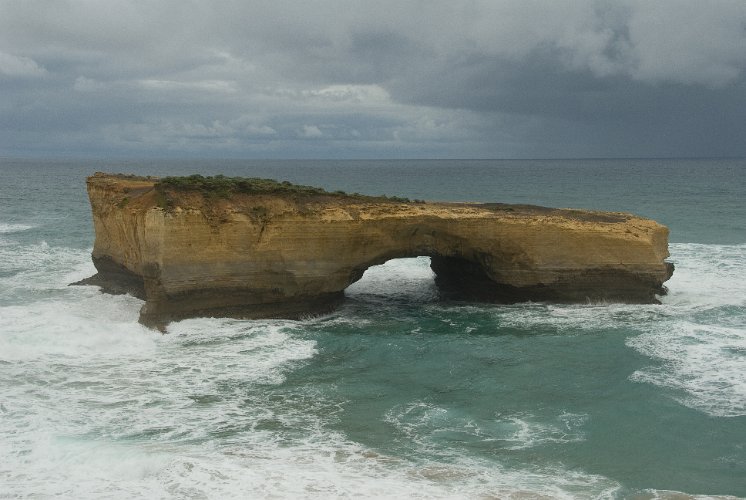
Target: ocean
{"x":395,"y":394}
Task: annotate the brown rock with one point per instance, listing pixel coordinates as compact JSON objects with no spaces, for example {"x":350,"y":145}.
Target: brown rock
{"x":289,"y":253}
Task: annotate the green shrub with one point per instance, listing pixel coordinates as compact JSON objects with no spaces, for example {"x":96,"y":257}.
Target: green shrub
{"x":220,"y":186}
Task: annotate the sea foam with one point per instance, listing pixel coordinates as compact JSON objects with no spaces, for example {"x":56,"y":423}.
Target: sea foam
{"x":702,"y":340}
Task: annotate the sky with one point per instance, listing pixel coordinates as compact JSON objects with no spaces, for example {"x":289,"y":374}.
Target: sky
{"x":373,"y":79}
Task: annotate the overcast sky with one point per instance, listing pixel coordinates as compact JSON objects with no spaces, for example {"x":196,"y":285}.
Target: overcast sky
{"x":373,"y":79}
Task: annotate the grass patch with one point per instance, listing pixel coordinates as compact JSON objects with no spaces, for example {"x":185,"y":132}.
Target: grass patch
{"x":220,"y":186}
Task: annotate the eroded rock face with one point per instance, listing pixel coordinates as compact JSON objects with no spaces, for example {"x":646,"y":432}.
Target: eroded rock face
{"x":267,"y":255}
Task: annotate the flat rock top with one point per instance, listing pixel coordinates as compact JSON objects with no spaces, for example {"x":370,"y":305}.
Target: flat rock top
{"x":237,"y":195}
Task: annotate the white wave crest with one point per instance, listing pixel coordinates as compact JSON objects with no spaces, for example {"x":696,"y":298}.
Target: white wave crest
{"x":261,"y":349}
{"x":6,"y":228}
{"x":701,"y":340}
{"x":707,"y":275}
{"x":706,"y":362}
{"x":323,"y":466}
{"x":30,"y":269}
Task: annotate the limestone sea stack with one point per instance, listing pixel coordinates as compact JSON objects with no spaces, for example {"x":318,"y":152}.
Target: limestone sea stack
{"x":255,"y":248}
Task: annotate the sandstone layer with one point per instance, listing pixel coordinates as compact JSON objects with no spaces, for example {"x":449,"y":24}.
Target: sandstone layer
{"x":287,"y":253}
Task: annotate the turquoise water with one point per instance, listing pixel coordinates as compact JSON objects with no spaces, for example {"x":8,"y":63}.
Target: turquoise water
{"x":395,"y":394}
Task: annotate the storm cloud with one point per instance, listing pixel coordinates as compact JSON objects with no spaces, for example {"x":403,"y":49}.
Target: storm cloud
{"x":350,"y":79}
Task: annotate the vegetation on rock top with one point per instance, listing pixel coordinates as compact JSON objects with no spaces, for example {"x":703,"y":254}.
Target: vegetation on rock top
{"x":220,"y":186}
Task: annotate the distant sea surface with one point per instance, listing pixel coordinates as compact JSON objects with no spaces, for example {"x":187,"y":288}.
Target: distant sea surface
{"x":395,"y":394}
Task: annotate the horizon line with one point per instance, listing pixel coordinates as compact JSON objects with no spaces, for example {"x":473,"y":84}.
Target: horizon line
{"x":229,"y":158}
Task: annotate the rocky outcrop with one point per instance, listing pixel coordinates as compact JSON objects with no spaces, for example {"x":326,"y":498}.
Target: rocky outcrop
{"x":262,"y":249}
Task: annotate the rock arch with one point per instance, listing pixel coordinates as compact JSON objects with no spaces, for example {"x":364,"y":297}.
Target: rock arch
{"x":290,"y":252}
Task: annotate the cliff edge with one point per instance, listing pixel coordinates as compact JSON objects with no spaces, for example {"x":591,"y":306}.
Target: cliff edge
{"x":253,"y":248}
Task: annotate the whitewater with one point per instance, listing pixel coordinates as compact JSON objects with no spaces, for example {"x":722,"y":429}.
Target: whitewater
{"x":396,"y":394}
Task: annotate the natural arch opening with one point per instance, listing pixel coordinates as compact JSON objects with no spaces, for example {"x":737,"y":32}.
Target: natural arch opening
{"x":407,"y":279}
{"x":427,"y":279}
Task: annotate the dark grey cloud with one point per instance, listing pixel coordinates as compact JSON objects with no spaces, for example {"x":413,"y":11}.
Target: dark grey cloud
{"x":480,"y":78}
